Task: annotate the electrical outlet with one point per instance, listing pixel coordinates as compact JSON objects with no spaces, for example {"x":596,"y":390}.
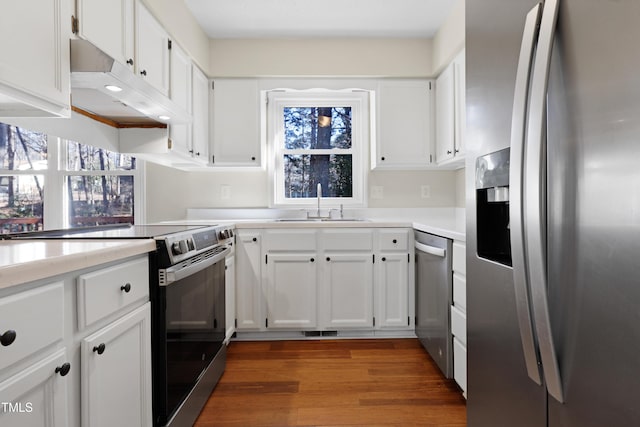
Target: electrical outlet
{"x":225,"y":192}
{"x":377,"y":192}
{"x":425,"y":191}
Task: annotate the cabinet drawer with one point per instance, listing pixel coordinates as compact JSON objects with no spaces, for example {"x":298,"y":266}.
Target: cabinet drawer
{"x":460,"y":363}
{"x":347,"y":240}
{"x":459,"y":291}
{"x":394,"y":240}
{"x":459,"y":258}
{"x":290,"y":240}
{"x":104,"y":292}
{"x":459,"y":324}
{"x":37,"y":318}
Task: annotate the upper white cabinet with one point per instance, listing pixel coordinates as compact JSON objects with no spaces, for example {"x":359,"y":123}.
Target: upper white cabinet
{"x":180,"y":91}
{"x":34,"y":67}
{"x":236,"y":123}
{"x":152,"y":50}
{"x":450,"y":113}
{"x":200,"y":109}
{"x":109,"y":26}
{"x":404,"y":124}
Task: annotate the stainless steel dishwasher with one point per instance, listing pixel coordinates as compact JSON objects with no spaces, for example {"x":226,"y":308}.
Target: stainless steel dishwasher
{"x":434,"y":282}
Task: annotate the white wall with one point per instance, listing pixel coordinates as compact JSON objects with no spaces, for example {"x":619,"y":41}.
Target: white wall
{"x":449,"y":40}
{"x":165,"y":194}
{"x":325,"y":57}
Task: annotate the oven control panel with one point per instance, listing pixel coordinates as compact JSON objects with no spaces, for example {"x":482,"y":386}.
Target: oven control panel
{"x":180,"y":246}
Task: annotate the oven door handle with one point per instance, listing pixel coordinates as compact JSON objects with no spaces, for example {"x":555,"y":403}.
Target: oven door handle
{"x":179,"y":272}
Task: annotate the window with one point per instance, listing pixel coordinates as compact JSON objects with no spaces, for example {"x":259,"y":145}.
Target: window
{"x":317,"y":140}
{"x":92,"y":186}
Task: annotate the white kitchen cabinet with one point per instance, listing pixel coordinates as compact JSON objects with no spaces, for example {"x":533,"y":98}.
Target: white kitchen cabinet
{"x":235,"y":116}
{"x":180,"y":92}
{"x":394,"y":267}
{"x":152,"y":50}
{"x":249,"y":296}
{"x":35,"y":63}
{"x":459,"y":315}
{"x":200,"y":110}
{"x":404,"y":119}
{"x":450,"y":113}
{"x":37,"y":396}
{"x":109,"y":26}
{"x":347,"y":285}
{"x":291,"y":288}
{"x":116,"y":372}
{"x":230,"y":295}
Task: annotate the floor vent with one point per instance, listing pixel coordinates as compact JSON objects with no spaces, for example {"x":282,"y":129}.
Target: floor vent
{"x":312,"y":333}
{"x":329,"y":333}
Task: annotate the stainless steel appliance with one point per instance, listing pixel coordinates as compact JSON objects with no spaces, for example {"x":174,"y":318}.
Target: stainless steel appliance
{"x":187,"y":278}
{"x":434,"y":293}
{"x":553,"y":311}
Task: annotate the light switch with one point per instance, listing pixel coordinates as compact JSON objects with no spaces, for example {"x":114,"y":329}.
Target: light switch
{"x":225,"y":192}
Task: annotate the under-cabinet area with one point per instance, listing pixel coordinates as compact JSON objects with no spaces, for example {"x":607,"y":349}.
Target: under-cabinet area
{"x":324,"y":282}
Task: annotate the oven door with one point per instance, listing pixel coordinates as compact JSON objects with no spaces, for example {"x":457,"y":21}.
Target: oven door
{"x":189,"y":330}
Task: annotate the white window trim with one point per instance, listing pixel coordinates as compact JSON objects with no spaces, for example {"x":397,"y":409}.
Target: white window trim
{"x":358,"y":100}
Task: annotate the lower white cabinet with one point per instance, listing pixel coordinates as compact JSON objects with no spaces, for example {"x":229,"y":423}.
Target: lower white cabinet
{"x":37,"y":396}
{"x":291,"y":287}
{"x":116,"y":372}
{"x":230,"y":295}
{"x":347,"y":285}
{"x":392,"y":285}
{"x":324,"y":279}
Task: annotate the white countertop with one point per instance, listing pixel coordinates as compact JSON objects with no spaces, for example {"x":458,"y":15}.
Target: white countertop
{"x":28,"y":260}
{"x":445,"y":222}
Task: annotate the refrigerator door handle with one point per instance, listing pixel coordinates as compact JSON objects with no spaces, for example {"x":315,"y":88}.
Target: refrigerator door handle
{"x":516,"y":172}
{"x":535,"y":199}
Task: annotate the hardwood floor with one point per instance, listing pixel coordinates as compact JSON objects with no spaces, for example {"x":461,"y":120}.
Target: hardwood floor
{"x":384,"y":382}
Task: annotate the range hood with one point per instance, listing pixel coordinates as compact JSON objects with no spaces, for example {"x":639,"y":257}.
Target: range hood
{"x":137,"y":104}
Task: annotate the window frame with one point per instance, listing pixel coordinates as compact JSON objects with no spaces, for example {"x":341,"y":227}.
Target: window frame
{"x":361,"y":120}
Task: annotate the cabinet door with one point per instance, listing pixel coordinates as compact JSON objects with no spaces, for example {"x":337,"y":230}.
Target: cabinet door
{"x":152,"y":50}
{"x":392,"y":291}
{"x":404,"y":125}
{"x":445,"y":114}
{"x":236,"y":123}
{"x":200,"y":115}
{"x":116,"y":373}
{"x":249,"y":299}
{"x":34,"y":66}
{"x":36,"y":396}
{"x":180,"y":93}
{"x":460,"y":102}
{"x":291,"y":291}
{"x":230,"y":294}
{"x":348,"y":287}
{"x":109,"y":26}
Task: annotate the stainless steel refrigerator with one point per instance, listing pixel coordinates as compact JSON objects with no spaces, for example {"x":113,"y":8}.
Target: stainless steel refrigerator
{"x":553,"y":213}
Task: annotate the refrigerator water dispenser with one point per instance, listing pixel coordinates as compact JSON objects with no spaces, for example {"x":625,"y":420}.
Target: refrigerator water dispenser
{"x":492,"y":207}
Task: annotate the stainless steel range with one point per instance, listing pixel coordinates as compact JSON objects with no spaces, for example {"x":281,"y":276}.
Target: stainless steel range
{"x":186,"y":277}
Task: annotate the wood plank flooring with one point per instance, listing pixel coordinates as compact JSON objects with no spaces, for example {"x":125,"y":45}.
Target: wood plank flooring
{"x":385,"y":382}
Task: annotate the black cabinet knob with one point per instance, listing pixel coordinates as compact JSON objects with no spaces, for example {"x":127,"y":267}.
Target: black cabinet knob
{"x":143,"y":72}
{"x":449,"y":152}
{"x":126,"y":287}
{"x":130,"y":61}
{"x":382,"y":158}
{"x":312,"y":260}
{"x":99,"y":348}
{"x":255,"y":239}
{"x":8,"y":338}
{"x":384,"y":259}
{"x":253,"y":159}
{"x":395,"y":241}
{"x":328,"y":259}
{"x":64,"y":369}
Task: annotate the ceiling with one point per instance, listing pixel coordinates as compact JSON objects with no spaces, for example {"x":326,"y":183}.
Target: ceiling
{"x":325,"y":18}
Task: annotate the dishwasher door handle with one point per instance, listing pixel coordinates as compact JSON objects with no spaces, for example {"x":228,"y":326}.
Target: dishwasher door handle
{"x":430,"y":249}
